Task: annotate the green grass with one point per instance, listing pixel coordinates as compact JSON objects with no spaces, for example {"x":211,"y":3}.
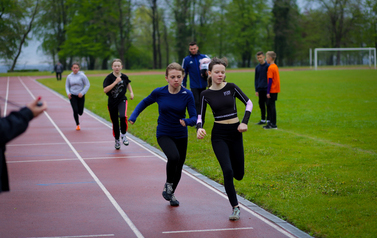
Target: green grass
{"x":317,"y":171}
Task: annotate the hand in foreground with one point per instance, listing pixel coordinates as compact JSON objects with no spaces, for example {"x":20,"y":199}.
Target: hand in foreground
{"x":69,"y":96}
{"x":268,"y":96}
{"x":132,"y":96}
{"x":182,"y":122}
{"x":242,"y":127}
{"x":80,"y":95}
{"x":35,"y":109}
{"x":201,"y":133}
{"x":132,"y":122}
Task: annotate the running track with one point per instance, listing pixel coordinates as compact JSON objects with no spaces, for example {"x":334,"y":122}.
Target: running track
{"x":67,"y":183}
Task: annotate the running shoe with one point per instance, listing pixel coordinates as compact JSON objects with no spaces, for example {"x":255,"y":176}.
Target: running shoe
{"x":235,"y":214}
{"x":270,"y":126}
{"x":125,"y":141}
{"x":167,"y":193}
{"x":117,"y":144}
{"x":174,"y":202}
{"x":77,"y":127}
{"x":261,"y":122}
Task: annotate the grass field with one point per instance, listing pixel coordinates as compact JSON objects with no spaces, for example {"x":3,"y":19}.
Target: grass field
{"x":317,"y":171}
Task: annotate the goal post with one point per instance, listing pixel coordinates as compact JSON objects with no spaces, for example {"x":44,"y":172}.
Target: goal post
{"x":370,"y":49}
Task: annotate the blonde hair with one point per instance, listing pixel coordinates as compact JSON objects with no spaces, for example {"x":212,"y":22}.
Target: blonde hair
{"x":215,"y":61}
{"x":174,"y":66}
{"x":271,"y":54}
{"x":117,"y":60}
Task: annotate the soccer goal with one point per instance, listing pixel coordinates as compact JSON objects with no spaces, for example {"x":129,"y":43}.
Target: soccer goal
{"x":353,"y":56}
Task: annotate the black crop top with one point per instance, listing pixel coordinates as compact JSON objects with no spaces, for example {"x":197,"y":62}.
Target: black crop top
{"x":223,"y":103}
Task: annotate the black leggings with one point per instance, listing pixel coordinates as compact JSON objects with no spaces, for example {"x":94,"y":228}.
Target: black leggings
{"x":121,"y":113}
{"x":77,"y":106}
{"x":262,"y":95}
{"x":196,"y":93}
{"x":227,"y":144}
{"x":175,"y":150}
{"x":271,"y":107}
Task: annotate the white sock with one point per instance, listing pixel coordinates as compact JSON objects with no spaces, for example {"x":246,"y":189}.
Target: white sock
{"x":123,"y":135}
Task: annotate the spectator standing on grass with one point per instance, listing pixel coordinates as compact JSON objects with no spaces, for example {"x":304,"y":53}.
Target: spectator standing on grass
{"x":115,"y":86}
{"x":76,"y":86}
{"x":260,"y":83}
{"x":12,"y":126}
{"x":226,"y":138}
{"x":172,"y":100}
{"x":191,"y":65}
{"x":273,"y":89}
{"x":58,"y":70}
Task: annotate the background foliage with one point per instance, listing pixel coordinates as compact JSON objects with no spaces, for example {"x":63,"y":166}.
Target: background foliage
{"x":152,"y":33}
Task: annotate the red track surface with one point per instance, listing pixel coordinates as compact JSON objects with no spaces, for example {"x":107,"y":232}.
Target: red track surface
{"x":67,"y":183}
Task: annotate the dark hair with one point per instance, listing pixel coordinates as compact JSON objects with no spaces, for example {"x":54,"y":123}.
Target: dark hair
{"x":259,"y":53}
{"x":215,"y":61}
{"x":116,"y":60}
{"x":175,"y":66}
{"x":192,"y":43}
{"x":76,"y":63}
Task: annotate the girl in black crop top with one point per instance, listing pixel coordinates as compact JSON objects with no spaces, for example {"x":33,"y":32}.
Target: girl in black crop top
{"x":227,"y":130}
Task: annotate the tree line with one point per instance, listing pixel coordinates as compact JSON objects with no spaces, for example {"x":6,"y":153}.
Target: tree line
{"x":150,"y":34}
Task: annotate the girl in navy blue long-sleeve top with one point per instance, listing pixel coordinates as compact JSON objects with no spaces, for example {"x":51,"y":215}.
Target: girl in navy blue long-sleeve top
{"x":172,"y":100}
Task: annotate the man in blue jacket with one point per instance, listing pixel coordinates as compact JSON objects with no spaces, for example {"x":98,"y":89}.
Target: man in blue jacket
{"x":191,"y":65}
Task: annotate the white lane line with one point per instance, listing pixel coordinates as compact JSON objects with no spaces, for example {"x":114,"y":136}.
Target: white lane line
{"x":107,"y":193}
{"x":207,"y":230}
{"x":82,"y":236}
{"x":61,"y":143}
{"x":273,"y":225}
{"x":75,"y":159}
{"x":6,"y":98}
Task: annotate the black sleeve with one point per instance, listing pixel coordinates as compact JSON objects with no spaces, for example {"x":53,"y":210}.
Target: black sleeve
{"x":14,"y":124}
{"x":242,"y":96}
{"x":202,"y":112}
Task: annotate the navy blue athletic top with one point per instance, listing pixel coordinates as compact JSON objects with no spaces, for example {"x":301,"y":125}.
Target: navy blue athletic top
{"x":171,"y":108}
{"x":261,"y":77}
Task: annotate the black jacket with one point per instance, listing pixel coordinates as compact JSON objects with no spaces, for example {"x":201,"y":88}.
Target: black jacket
{"x":11,"y":126}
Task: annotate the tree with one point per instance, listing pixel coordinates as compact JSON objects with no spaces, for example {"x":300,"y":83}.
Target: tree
{"x":245,"y":24}
{"x":287,"y":34}
{"x":181,"y":13}
{"x":10,"y":13}
{"x":88,"y":36}
{"x":342,"y":16}
{"x":17,"y":18}
{"x":51,"y":28}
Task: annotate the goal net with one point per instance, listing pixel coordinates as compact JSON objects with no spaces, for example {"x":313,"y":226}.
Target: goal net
{"x":344,"y":57}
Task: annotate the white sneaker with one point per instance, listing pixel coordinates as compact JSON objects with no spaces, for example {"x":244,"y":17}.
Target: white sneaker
{"x":117,"y":144}
{"x":124,"y":139}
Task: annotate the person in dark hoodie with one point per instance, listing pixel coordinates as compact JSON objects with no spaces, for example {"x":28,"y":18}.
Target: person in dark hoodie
{"x":260,"y":83}
{"x":191,"y":66}
{"x":12,"y":126}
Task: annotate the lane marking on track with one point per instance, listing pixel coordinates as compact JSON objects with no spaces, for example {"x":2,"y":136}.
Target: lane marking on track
{"x":265,"y":220}
{"x":82,"y":236}
{"x":6,"y":98}
{"x":75,"y":159}
{"x":61,"y":143}
{"x":90,"y":171}
{"x":207,"y":230}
